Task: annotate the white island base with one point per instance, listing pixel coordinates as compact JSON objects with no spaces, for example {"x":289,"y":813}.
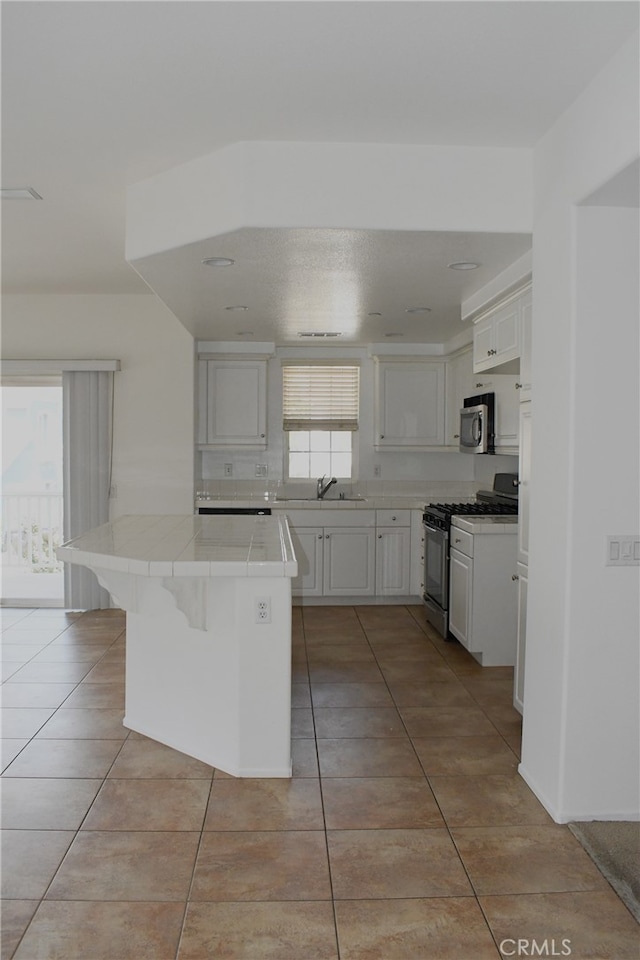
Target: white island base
{"x":203,"y":674}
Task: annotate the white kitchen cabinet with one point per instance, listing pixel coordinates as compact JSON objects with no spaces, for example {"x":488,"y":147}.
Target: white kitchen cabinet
{"x":524,"y":471}
{"x":349,"y":562}
{"x":497,"y":337}
{"x":393,"y":553}
{"x":524,"y":378}
{"x":460,"y":384}
{"x":335,"y":550}
{"x":416,"y":573}
{"x":308,"y":545}
{"x":410,"y":404}
{"x":483,"y":603}
{"x":518,"y":679}
{"x":507,"y":408}
{"x":498,"y":334}
{"x":232,"y":403}
{"x":524,"y":475}
{"x":461,"y":597}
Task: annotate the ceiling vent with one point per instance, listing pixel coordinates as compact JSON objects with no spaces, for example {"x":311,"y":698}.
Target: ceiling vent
{"x":319,"y":334}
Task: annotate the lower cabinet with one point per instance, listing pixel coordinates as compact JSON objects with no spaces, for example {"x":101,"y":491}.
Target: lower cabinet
{"x":483,"y":605}
{"x":334,"y":561}
{"x":393,"y":558}
{"x":461,"y":597}
{"x":518,"y":680}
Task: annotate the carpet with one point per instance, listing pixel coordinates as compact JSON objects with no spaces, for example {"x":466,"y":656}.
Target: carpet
{"x":614,"y":846}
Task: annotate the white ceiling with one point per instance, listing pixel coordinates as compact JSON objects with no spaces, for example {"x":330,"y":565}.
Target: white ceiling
{"x":99,"y":95}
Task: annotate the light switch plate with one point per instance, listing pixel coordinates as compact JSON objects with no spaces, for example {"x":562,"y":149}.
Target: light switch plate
{"x":623,"y":551}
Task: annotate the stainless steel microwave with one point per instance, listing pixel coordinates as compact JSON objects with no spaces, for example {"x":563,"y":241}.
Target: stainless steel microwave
{"x":476,"y":424}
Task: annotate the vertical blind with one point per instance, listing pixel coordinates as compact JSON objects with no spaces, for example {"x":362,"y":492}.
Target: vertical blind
{"x":320,"y":396}
{"x":87,"y":398}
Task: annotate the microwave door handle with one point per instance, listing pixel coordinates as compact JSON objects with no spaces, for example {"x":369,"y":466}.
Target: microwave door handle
{"x":477,"y":430}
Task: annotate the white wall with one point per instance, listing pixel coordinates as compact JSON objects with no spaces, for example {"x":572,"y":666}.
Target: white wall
{"x":153,"y":402}
{"x":580,"y":740}
{"x":286,"y":184}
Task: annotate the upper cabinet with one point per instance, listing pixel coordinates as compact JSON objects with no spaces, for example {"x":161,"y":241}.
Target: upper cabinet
{"x":498,"y":335}
{"x":410,"y":403}
{"x":460,"y":384}
{"x":232,"y":402}
{"x":525,"y":355}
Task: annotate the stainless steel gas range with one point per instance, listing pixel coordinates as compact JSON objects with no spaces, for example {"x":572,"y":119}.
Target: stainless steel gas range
{"x":436,"y":520}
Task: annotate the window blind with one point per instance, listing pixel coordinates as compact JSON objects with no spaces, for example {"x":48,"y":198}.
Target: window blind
{"x":320,"y":397}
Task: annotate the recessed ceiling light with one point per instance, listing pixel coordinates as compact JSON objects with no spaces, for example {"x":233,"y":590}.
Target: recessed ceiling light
{"x":319,"y":334}
{"x":463,"y":265}
{"x":20,"y":193}
{"x":218,"y":262}
{"x":374,"y":314}
{"x":239,"y":307}
{"x":418,"y":310}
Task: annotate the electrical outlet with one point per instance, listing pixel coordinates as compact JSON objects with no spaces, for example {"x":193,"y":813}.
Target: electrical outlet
{"x":263,"y":609}
{"x":228,"y":469}
{"x":623,"y":551}
{"x":261,"y":470}
{"x":377,"y":470}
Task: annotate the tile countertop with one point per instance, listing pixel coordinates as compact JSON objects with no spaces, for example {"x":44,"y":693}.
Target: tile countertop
{"x":187,"y":546}
{"x":486,"y":524}
{"x":366,"y":503}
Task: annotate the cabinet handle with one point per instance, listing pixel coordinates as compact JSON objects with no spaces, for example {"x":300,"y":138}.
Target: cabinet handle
{"x":518,"y":386}
{"x":514,"y":576}
{"x":326,"y":536}
{"x":394,"y":518}
{"x":457,"y":540}
{"x":262,"y":436}
{"x":456,"y":436}
{"x":319,"y":536}
{"x":379,"y":536}
{"x":382,"y":436}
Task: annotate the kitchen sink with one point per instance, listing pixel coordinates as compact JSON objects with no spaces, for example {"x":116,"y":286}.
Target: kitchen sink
{"x":321,"y":500}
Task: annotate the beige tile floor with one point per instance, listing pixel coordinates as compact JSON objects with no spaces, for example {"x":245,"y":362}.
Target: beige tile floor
{"x":404,"y":834}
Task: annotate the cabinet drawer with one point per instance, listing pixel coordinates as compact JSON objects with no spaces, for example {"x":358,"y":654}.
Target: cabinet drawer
{"x":462,"y":541}
{"x":393,"y":518}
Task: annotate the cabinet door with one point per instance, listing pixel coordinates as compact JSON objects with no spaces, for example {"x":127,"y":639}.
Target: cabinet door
{"x":507,"y":333}
{"x":525,"y":353}
{"x":392,"y":561}
{"x":236,"y":403}
{"x":507,"y":407}
{"x":524,"y":471}
{"x":416,"y":585}
{"x":410,"y":404}
{"x":483,"y":344}
{"x":518,"y":679}
{"x":308,"y":544}
{"x":459,"y":385}
{"x":201,"y":401}
{"x":460,"y":597}
{"x":349,"y":561}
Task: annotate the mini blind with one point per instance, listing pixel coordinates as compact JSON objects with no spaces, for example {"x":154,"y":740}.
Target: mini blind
{"x":320,"y":397}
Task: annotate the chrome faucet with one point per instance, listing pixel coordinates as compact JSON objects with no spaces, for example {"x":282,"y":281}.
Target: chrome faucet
{"x":322,"y":487}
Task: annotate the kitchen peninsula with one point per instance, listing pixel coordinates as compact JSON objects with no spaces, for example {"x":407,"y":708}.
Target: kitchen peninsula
{"x":208,"y":659}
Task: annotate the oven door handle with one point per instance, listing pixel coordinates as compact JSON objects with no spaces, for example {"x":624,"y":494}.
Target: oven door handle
{"x":428,"y":526}
{"x":442,"y":533}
